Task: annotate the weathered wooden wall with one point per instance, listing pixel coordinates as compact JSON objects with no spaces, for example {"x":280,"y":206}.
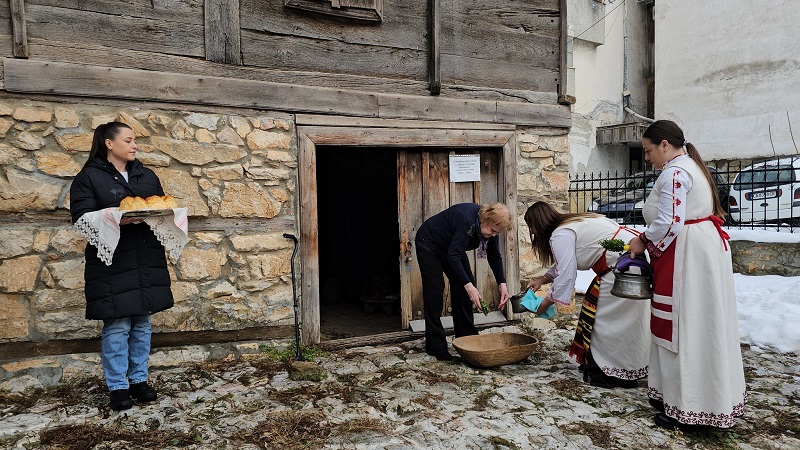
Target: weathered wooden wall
{"x":499,"y":50}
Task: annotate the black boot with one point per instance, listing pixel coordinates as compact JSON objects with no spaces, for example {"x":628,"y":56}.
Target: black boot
{"x":143,"y":393}
{"x":441,"y":355}
{"x":120,"y":400}
{"x":665,"y":421}
{"x":657,"y":404}
{"x":609,"y":382}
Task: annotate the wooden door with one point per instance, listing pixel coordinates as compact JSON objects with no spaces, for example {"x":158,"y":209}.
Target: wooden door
{"x":424,"y":189}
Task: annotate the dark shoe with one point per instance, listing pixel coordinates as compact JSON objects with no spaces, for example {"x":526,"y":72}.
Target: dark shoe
{"x":441,"y":355}
{"x":609,"y":382}
{"x":143,"y":393}
{"x":657,"y":404}
{"x":120,"y":400}
{"x":665,"y":421}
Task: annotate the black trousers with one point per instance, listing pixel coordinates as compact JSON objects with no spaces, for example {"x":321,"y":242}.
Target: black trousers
{"x":432,"y":270}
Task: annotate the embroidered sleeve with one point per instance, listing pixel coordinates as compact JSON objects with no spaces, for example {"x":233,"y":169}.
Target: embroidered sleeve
{"x":675,"y":184}
{"x":562,"y":243}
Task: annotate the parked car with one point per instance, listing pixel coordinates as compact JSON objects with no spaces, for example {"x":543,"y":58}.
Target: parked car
{"x":768,"y":191}
{"x":624,"y":204}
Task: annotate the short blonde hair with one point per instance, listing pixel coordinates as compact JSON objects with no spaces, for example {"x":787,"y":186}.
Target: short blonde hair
{"x":495,"y":215}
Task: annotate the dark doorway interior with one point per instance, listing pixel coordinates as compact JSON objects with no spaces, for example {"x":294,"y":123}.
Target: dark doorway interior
{"x":358,"y":241}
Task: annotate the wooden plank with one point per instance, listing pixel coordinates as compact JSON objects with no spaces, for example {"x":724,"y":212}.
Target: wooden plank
{"x":298,"y":53}
{"x":435,"y":46}
{"x":447,"y":109}
{"x":89,"y":81}
{"x":155,"y":35}
{"x":22,"y":350}
{"x":309,"y":238}
{"x":398,"y":137}
{"x":558,"y":116}
{"x":19,"y":29}
{"x":404,"y":29}
{"x":508,"y":194}
{"x":463,"y":193}
{"x":510,"y":74}
{"x":490,"y":173}
{"x":410,"y":218}
{"x":366,"y":122}
{"x":27,"y":76}
{"x":222,"y":34}
{"x":189,"y":11}
{"x":436,"y":197}
{"x":368,"y":11}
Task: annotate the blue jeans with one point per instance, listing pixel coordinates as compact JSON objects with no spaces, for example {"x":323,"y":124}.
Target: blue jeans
{"x":125,"y":350}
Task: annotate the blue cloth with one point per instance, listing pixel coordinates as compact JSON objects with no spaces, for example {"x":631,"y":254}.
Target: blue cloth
{"x":125,"y":346}
{"x":531,"y":301}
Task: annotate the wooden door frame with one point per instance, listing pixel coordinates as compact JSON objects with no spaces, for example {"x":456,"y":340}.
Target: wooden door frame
{"x":315,"y":130}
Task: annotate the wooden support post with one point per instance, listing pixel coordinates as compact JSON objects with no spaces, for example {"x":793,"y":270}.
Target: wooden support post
{"x":434,"y":47}
{"x":563,"y":97}
{"x":222,"y":32}
{"x":19,"y":29}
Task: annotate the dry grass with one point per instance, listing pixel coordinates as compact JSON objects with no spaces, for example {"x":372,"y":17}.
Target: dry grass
{"x":84,"y":437}
{"x":300,"y":430}
{"x":599,"y":434}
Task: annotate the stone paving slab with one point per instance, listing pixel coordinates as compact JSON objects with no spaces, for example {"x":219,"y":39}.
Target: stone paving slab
{"x":397,"y":397}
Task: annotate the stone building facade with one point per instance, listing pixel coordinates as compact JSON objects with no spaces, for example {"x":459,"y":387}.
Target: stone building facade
{"x":223,"y":165}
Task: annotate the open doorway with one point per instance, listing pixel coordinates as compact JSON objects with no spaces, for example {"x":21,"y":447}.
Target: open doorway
{"x":358,"y":241}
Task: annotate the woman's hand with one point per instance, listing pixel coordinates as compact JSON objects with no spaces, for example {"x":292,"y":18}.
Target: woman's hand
{"x":127,"y":220}
{"x":474,"y":295}
{"x":503,"y":296}
{"x":636,"y":246}
{"x":537,"y":283}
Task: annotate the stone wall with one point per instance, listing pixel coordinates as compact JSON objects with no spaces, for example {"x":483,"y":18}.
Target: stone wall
{"x":230,"y":166}
{"x":220,"y":166}
{"x":766,"y":258}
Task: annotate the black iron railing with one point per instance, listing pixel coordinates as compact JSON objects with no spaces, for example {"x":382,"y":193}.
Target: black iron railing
{"x":756,"y":194}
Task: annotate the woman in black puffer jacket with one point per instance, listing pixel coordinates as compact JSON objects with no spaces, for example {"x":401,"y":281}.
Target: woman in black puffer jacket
{"x":136,"y":285}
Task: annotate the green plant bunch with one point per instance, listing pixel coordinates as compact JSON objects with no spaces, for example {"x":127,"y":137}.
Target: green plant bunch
{"x":615,"y":245}
{"x":484,"y":307}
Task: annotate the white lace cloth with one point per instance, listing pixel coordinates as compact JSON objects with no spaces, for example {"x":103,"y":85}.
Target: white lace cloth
{"x":101,"y":229}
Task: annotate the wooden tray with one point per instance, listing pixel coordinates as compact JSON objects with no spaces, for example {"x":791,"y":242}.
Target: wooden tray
{"x":149,"y":212}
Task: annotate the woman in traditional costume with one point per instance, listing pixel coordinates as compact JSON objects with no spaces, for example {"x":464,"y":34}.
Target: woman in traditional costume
{"x":612,"y":344}
{"x":442,"y":242}
{"x":696,"y":374}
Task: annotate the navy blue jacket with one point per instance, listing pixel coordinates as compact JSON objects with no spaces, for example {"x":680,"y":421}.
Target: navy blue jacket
{"x":137,"y":281}
{"x":452,"y":232}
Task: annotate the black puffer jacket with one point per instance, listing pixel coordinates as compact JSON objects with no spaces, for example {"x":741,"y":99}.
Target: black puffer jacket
{"x":137,"y":281}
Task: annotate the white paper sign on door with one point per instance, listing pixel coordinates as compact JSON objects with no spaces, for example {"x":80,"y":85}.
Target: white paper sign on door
{"x":465,"y":168}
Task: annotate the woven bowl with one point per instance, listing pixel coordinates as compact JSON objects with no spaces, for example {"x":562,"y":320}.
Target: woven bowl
{"x":496,"y":349}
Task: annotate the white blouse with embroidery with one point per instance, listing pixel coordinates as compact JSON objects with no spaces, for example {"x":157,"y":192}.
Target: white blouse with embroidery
{"x":671,"y":206}
{"x":565,"y":270}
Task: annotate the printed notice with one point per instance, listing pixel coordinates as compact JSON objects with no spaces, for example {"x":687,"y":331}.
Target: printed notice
{"x":465,"y":168}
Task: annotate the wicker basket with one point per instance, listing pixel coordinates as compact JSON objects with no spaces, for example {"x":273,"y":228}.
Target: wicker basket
{"x":496,"y":349}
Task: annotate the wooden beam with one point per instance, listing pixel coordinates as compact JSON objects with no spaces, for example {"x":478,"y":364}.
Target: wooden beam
{"x":57,"y":78}
{"x":434,"y":46}
{"x":222,"y":32}
{"x":309,"y":238}
{"x":368,"y":122}
{"x":16,"y":350}
{"x":394,"y":137}
{"x":19,"y":28}
{"x":508,"y":195}
{"x":563,"y":97}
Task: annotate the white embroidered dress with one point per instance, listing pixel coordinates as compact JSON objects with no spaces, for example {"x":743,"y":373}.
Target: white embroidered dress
{"x":620,"y":337}
{"x":695,"y":362}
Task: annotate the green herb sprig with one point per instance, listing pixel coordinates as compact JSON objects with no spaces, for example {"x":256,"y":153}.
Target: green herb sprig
{"x":615,"y":245}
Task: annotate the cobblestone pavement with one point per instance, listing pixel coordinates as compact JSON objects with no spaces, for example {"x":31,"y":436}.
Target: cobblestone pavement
{"x":392,"y":397}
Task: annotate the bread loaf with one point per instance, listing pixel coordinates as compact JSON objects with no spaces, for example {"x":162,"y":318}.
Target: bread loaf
{"x":152,"y":202}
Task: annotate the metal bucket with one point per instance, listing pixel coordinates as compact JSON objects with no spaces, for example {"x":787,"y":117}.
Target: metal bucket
{"x":631,"y":286}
